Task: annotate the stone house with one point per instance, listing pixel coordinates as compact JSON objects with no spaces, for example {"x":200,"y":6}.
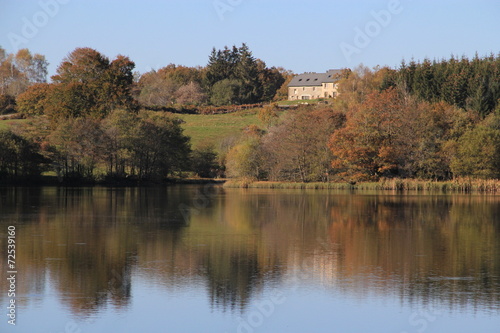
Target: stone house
{"x":314,"y":85}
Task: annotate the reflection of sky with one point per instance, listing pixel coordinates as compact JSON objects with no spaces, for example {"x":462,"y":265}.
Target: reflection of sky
{"x":296,"y":305}
{"x":344,"y":264}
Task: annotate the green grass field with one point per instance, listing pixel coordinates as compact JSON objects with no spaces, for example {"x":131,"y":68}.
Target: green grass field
{"x":4,"y":124}
{"x":211,"y":129}
{"x":303,"y":101}
{"x":203,"y":129}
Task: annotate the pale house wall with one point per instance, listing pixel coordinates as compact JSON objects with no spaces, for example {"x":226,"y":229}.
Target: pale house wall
{"x":305,"y":93}
{"x":326,"y":90}
{"x":330,"y":90}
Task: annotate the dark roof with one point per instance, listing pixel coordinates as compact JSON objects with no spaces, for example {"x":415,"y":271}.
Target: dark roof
{"x":315,"y":79}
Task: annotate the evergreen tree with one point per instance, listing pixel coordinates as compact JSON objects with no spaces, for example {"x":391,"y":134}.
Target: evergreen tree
{"x":246,"y":71}
{"x":237,"y":67}
{"x":473,"y":85}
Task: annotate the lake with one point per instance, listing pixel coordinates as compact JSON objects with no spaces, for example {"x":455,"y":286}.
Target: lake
{"x":192,"y":258}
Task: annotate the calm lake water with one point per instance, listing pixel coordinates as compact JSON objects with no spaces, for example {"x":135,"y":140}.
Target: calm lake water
{"x":207,"y":259}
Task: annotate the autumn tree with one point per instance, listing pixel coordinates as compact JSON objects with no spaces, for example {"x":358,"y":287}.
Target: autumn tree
{"x":146,"y":146}
{"x":104,"y":85}
{"x":32,"y":66}
{"x":86,"y":84}
{"x":18,"y":72}
{"x":19,"y":158}
{"x":478,"y":154}
{"x":357,"y":84}
{"x":282,"y":92}
{"x":181,"y":75}
{"x":191,"y":93}
{"x":431,"y":139}
{"x":269,"y":115}
{"x":161,"y":147}
{"x":76,"y":148}
{"x":245,"y":160}
{"x":204,"y":161}
{"x":172,"y":84}
{"x":226,"y":92}
{"x":121,"y":130}
{"x":156,"y":90}
{"x":35,"y":100}
{"x":297,"y":148}
{"x":373,"y":142}
{"x":7,"y":104}
{"x":83,"y":65}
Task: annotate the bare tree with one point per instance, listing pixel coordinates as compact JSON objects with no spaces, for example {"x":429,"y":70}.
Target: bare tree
{"x":190,"y":94}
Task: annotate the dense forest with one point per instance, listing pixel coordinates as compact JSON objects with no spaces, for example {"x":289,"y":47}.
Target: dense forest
{"x":99,"y":120}
{"x":429,"y":120}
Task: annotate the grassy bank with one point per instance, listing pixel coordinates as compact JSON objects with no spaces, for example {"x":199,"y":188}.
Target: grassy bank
{"x":460,"y":185}
{"x":212,"y":129}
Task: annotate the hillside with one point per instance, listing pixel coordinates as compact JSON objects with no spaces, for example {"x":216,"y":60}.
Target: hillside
{"x":211,"y":129}
{"x":206,"y":129}
{"x":4,"y":124}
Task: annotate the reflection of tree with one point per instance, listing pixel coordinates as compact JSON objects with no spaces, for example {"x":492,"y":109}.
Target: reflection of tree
{"x":89,"y":240}
{"x":434,"y":248}
{"x":86,"y":238}
{"x":224,"y":249}
{"x":232,"y":278}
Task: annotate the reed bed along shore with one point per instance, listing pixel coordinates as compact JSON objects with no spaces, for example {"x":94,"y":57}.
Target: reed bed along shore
{"x":458,"y":185}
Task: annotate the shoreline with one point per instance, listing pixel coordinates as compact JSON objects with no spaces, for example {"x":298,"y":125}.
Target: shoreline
{"x":402,"y":185}
{"x":53,"y":181}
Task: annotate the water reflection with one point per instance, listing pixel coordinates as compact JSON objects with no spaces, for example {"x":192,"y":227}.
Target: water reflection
{"x":90,"y":243}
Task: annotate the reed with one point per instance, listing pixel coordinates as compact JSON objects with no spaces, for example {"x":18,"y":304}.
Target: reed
{"x":461,"y":185}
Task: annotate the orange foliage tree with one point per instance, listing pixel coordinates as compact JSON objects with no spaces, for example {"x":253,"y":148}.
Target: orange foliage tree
{"x":86,"y":84}
{"x":372,"y":144}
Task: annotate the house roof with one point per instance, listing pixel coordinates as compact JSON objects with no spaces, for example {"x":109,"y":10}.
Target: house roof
{"x":315,"y":79}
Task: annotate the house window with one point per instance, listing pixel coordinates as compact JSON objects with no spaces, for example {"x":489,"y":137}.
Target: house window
{"x":295,"y":91}
{"x":306,"y":97}
{"x":314,"y":88}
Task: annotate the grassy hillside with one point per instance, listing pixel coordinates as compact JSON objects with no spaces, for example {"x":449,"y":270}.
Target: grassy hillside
{"x":7,"y":123}
{"x":213,"y":128}
{"x":201,"y":128}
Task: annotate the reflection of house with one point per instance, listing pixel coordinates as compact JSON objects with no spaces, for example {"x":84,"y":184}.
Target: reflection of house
{"x":314,"y":85}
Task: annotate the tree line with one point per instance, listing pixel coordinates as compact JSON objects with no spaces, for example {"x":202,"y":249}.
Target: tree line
{"x":232,"y":76}
{"x":429,"y":120}
{"x":384,"y":124}
{"x":471,"y":84}
{"x":91,"y":122}
{"x":17,"y":73}
{"x":87,"y":125}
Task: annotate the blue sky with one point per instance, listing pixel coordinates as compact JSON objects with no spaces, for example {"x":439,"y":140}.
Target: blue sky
{"x":307,"y":35}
